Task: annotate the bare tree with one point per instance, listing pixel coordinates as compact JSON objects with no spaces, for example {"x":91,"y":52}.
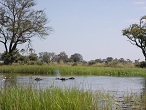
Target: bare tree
{"x":19,"y":22}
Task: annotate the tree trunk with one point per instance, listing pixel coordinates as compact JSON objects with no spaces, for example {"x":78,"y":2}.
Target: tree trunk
{"x":144,"y":53}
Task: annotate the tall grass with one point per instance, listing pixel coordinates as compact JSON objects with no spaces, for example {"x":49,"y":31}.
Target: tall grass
{"x":27,"y":98}
{"x":49,"y":99}
{"x":73,"y":70}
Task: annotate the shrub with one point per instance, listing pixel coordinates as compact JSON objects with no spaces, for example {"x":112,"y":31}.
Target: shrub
{"x":142,"y":64}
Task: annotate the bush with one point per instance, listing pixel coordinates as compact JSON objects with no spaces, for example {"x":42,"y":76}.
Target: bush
{"x":142,"y":64}
{"x":92,"y":62}
{"x":118,"y":64}
{"x":74,"y":64}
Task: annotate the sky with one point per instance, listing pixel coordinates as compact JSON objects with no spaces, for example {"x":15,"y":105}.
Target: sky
{"x":92,"y":28}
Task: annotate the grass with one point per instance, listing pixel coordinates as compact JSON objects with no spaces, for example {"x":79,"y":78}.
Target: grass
{"x":28,"y":98}
{"x":49,"y":99}
{"x":73,"y":70}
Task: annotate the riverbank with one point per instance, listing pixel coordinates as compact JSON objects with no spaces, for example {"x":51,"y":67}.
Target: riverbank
{"x":72,"y":70}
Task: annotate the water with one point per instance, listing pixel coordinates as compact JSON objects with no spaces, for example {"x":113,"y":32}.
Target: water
{"x":105,"y":83}
{"x":118,"y":86}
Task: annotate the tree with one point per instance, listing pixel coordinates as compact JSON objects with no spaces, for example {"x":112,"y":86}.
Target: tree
{"x":53,"y":57}
{"x":98,"y":60}
{"x":62,"y":57}
{"x":14,"y":56}
{"x":136,"y":34}
{"x":76,"y":57}
{"x":33,"y":57}
{"x":19,"y":22}
{"x":122,"y":60}
{"x":109,"y":59}
{"x":44,"y":57}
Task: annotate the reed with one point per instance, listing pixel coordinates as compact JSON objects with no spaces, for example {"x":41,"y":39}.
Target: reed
{"x":73,"y":70}
{"x":49,"y":99}
{"x":28,"y":98}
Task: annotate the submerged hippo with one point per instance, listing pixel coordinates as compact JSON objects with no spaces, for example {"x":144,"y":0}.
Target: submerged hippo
{"x":71,"y":78}
{"x":37,"y":79}
{"x":64,"y":79}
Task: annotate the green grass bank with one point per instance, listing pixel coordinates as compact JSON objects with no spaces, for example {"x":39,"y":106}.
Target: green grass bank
{"x":73,"y":70}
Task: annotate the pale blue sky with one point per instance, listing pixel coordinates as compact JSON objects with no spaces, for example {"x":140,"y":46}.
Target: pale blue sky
{"x":92,"y":28}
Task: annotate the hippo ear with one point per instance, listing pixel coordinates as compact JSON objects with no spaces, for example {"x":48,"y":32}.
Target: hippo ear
{"x":57,"y":78}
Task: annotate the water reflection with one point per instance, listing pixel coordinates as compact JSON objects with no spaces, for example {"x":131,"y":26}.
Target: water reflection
{"x":8,"y":80}
{"x":105,"y":83}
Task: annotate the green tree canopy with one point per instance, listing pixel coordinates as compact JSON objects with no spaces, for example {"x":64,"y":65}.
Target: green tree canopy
{"x":136,"y":33}
{"x":44,"y":57}
{"x":19,"y":22}
{"x":76,"y":57}
{"x":62,"y":56}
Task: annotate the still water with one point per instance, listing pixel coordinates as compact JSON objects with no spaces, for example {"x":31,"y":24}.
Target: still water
{"x":105,"y":83}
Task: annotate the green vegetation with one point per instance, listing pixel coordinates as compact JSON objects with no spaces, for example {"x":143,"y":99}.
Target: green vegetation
{"x":73,"y":70}
{"x":28,"y":98}
{"x":136,"y":35}
{"x":17,"y":28}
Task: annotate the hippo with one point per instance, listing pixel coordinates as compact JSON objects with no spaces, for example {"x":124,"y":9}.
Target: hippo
{"x":62,"y":79}
{"x":38,"y":79}
{"x":71,"y":78}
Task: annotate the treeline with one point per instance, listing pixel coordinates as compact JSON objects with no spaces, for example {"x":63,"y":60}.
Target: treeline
{"x":30,"y":57}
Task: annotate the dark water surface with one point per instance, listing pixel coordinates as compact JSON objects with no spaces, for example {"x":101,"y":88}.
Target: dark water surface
{"x":105,"y":83}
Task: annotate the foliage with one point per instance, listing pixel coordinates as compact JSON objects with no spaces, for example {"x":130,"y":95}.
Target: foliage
{"x":23,"y":60}
{"x":11,"y":57}
{"x":48,"y":57}
{"x":92,"y":62}
{"x":109,"y":59}
{"x":44,"y":57}
{"x":136,"y":34}
{"x":142,"y":64}
{"x":76,"y":57}
{"x":53,"y":57}
{"x":62,"y":56}
{"x":33,"y":57}
{"x":19,"y":22}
